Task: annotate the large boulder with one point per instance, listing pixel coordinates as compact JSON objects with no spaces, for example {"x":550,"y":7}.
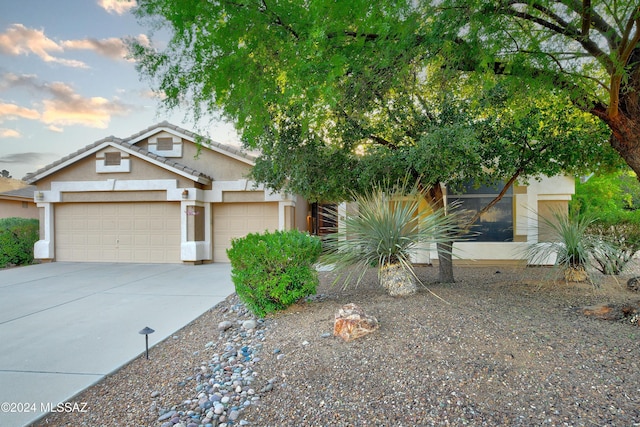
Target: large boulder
{"x":352,"y":322}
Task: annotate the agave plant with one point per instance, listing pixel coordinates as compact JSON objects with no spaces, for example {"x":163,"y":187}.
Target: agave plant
{"x":571,"y":244}
{"x":387,"y":229}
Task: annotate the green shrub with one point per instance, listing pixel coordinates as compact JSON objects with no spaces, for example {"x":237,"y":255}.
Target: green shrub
{"x":571,"y":245}
{"x":273,"y":270}
{"x":613,"y":200}
{"x":17,"y":237}
{"x":623,"y":241}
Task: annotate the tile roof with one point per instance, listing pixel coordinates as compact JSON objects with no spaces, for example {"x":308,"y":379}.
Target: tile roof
{"x":127,"y":143}
{"x":24,"y":192}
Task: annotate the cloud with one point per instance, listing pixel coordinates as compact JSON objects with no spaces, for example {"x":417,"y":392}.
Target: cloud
{"x":13,"y":112}
{"x":23,"y":158}
{"x":55,"y":129}
{"x":113,"y":48}
{"x":63,"y":106}
{"x":20,"y":40}
{"x":9,"y":133}
{"x":117,"y":6}
{"x":92,"y":112}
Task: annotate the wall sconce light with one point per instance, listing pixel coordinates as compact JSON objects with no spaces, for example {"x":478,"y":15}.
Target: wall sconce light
{"x":39,"y":195}
{"x":185,"y":194}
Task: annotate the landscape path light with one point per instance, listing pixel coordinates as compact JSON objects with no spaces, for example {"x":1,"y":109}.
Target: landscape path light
{"x":146,"y":331}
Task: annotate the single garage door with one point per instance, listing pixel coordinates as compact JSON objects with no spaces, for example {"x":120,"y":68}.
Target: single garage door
{"x":118,"y":232}
{"x":231,"y":220}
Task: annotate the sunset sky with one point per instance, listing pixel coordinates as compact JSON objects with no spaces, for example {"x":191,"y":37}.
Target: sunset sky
{"x":65,"y":81}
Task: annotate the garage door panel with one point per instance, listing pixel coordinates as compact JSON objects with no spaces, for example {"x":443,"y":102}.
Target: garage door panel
{"x":232,"y":220}
{"x":118,"y":232}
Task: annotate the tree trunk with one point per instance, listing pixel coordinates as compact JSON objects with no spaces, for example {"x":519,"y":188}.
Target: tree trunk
{"x":623,"y":117}
{"x":445,"y":262}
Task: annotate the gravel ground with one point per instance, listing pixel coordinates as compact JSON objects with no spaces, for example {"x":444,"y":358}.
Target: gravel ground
{"x":495,"y":348}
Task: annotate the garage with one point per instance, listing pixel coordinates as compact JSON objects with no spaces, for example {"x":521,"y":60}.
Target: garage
{"x":118,"y":232}
{"x":231,"y":220}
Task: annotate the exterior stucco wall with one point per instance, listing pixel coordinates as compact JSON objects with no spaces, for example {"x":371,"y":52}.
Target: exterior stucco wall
{"x":18,"y":209}
{"x":85,"y":170}
{"x":214,"y":164}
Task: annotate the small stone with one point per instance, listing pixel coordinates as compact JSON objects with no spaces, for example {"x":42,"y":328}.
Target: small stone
{"x":167,"y":415}
{"x":224,"y":325}
{"x":249,"y":324}
{"x":155,"y":394}
{"x":633,"y":284}
{"x":233,"y":415}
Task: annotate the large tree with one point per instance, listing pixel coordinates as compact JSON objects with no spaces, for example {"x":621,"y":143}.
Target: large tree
{"x":339,"y":94}
{"x":588,"y":49}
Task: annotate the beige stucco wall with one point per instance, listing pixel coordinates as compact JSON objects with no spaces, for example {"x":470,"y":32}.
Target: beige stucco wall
{"x":85,"y":170}
{"x":18,"y":209}
{"x":214,"y":164}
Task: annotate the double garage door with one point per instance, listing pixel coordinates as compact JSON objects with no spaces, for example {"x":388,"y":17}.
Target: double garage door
{"x":118,"y":232}
{"x":148,"y":232}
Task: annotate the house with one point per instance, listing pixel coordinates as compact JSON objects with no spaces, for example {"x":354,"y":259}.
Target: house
{"x":514,"y":223}
{"x":16,"y":199}
{"x":163,"y":195}
{"x":503,"y":233}
{"x":166,"y":195}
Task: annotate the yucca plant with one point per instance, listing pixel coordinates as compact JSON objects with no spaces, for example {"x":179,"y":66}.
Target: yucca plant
{"x":571,"y":244}
{"x":387,"y":229}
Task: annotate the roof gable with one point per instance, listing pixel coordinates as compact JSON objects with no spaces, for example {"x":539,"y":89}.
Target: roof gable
{"x":194,"y":138}
{"x":129,"y":145}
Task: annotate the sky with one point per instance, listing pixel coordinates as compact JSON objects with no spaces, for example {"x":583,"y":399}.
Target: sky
{"x":65,"y":81}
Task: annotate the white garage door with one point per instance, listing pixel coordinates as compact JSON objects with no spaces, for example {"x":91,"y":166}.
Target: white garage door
{"x":232,"y":220}
{"x":118,"y":232}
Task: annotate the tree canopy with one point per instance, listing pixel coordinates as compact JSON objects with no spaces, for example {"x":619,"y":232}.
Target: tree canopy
{"x":317,"y":85}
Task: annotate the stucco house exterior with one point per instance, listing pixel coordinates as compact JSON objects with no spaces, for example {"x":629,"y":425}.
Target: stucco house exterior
{"x":505,"y":231}
{"x":508,"y":228}
{"x":163,"y":195}
{"x":166,"y":195}
{"x":16,"y":199}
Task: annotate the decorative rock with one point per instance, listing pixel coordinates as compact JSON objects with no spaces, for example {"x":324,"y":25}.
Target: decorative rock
{"x":224,"y":325}
{"x":613,"y":312}
{"x":249,"y":324}
{"x":352,"y":322}
{"x":233,"y":415}
{"x":167,"y":415}
{"x":397,"y":280}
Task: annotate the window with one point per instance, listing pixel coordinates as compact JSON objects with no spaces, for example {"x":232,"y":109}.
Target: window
{"x":165,"y":144}
{"x":495,"y":225}
{"x":112,"y":158}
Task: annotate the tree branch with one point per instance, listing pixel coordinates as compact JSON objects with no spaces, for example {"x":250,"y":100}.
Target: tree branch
{"x":564,"y":29}
{"x":492,"y":203}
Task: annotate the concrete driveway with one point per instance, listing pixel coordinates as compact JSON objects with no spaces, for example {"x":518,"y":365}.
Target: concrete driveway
{"x":64,"y":326}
